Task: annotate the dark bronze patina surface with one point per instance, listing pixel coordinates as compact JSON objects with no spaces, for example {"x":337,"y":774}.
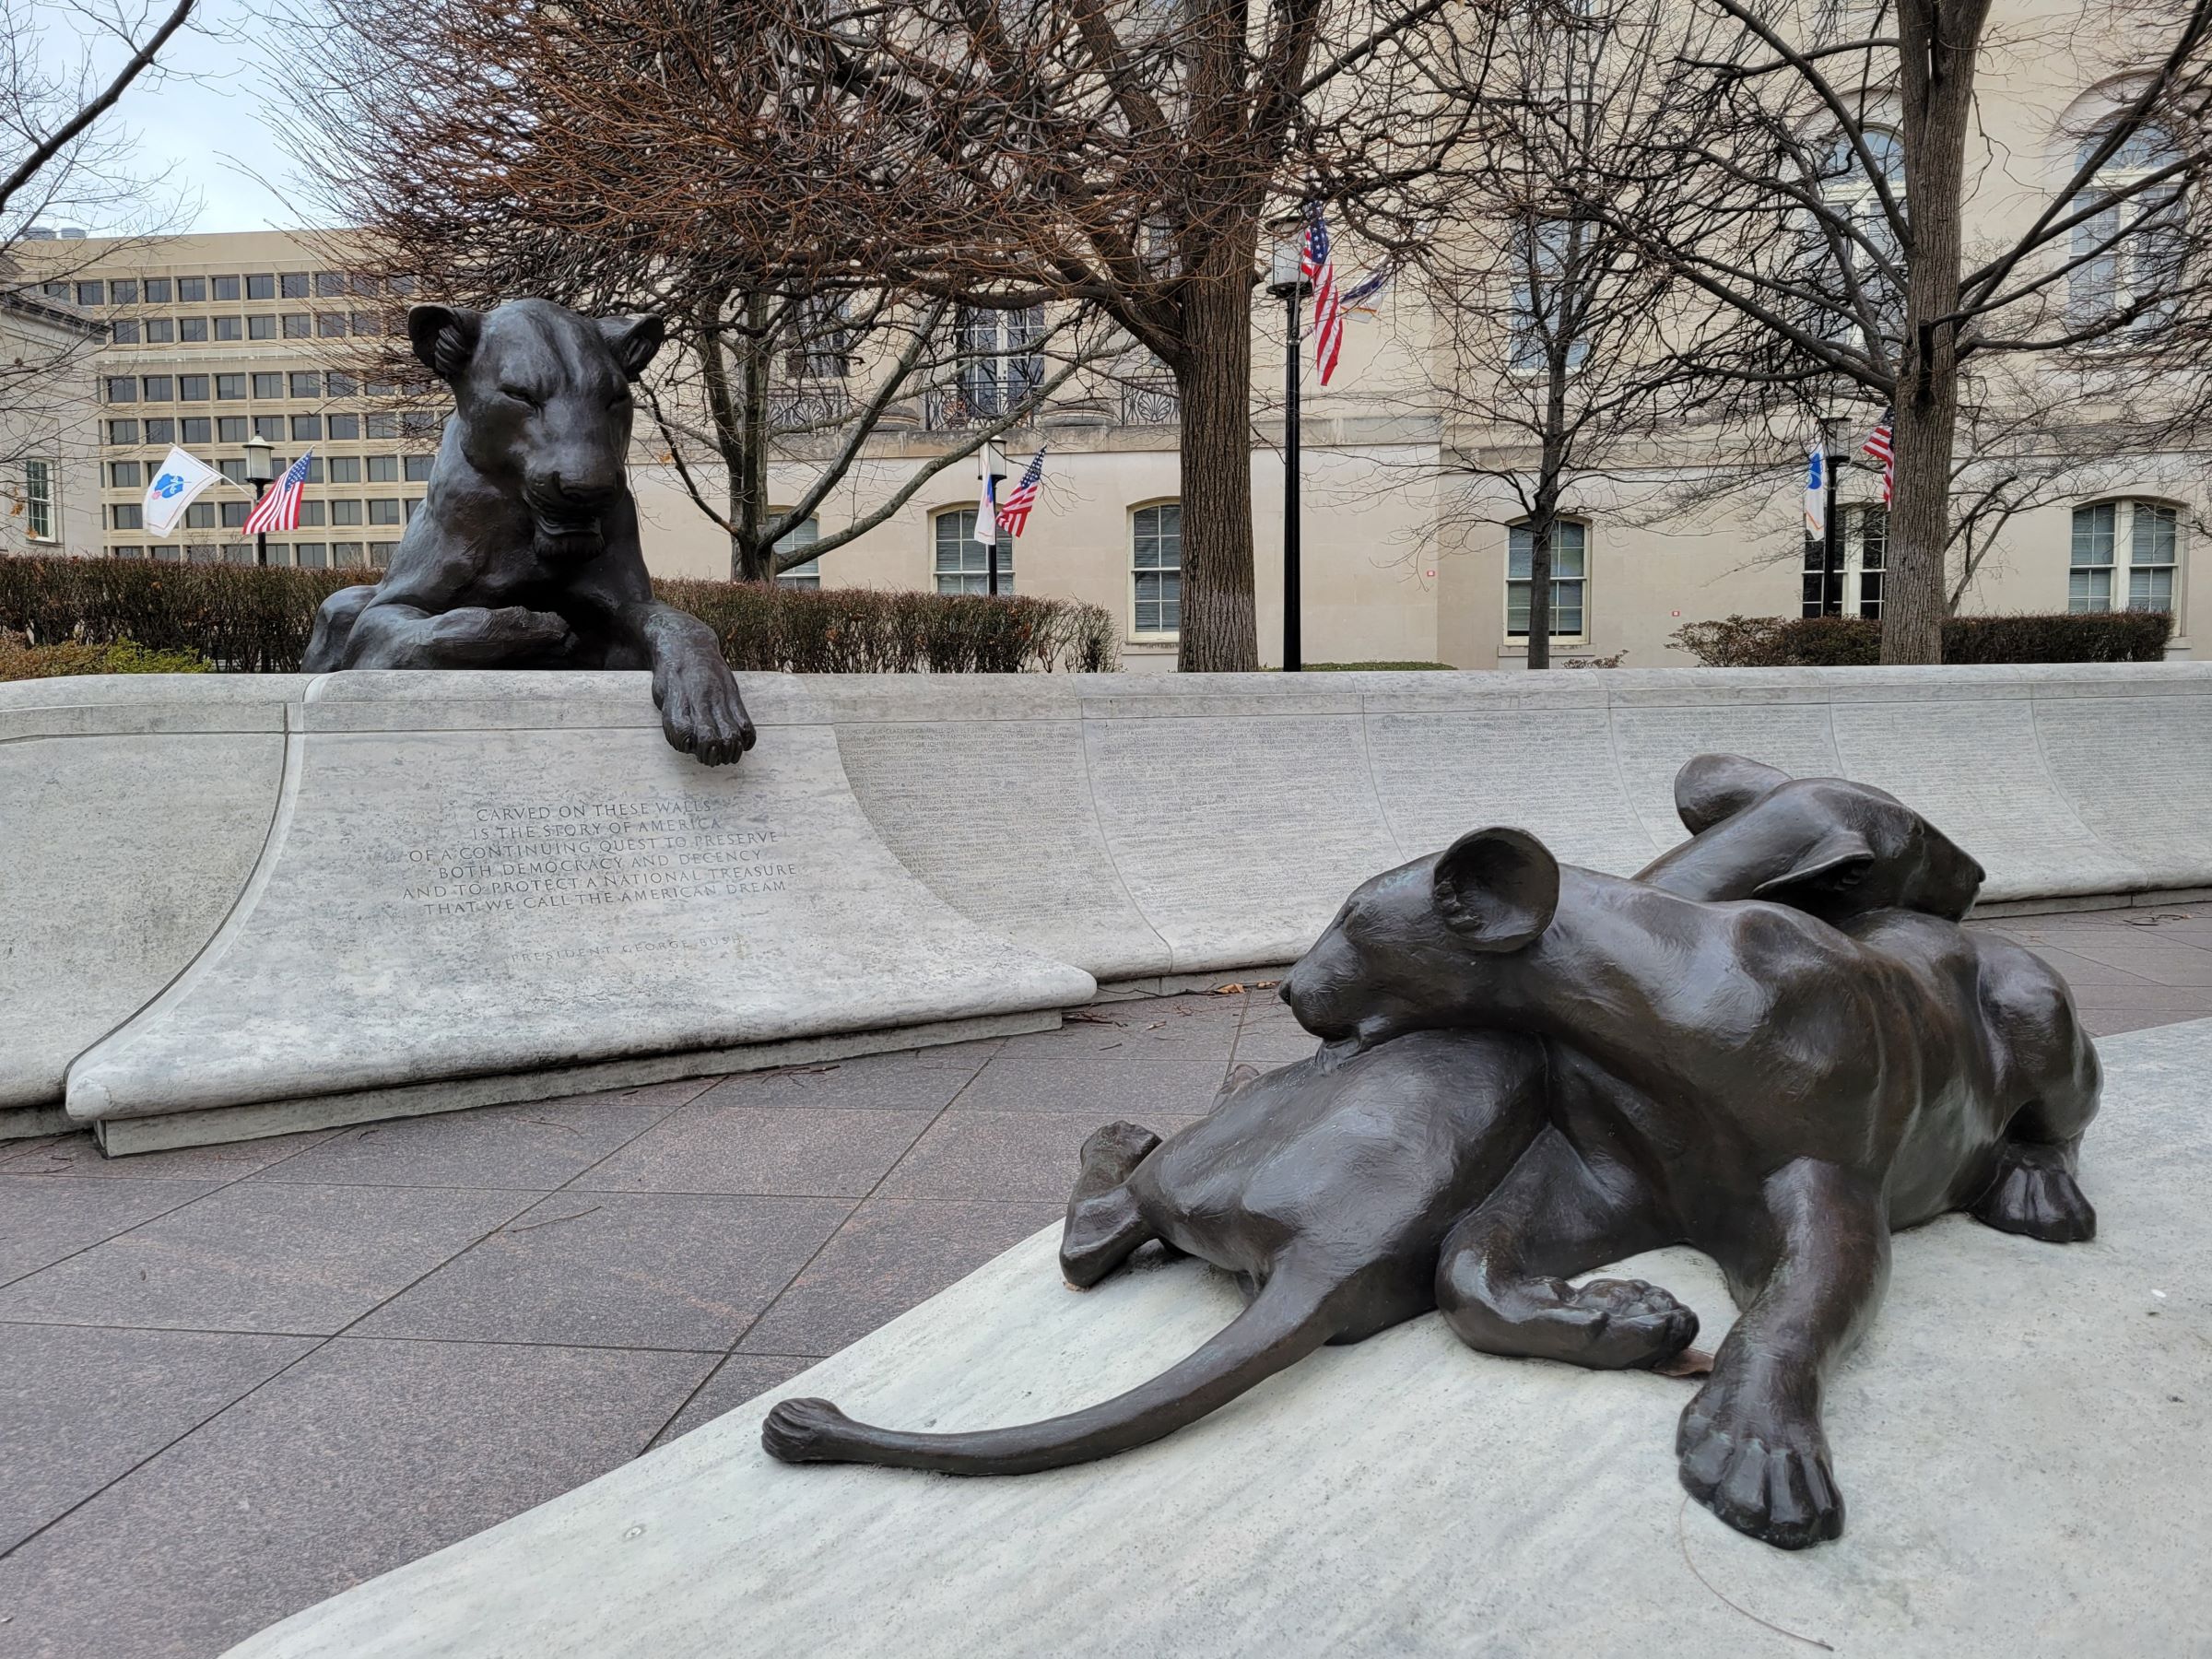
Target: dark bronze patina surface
{"x":1531,"y":1070}
{"x":526,"y":553}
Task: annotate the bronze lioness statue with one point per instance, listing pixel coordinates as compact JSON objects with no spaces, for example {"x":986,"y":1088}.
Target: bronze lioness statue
{"x":1410,"y":1166}
{"x":526,"y":553}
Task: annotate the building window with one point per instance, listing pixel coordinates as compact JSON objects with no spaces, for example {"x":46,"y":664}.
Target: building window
{"x":315,"y":469}
{"x":330,"y":285}
{"x":226,"y":328}
{"x":383,"y":469}
{"x":1000,"y":366}
{"x":123,"y":431}
{"x":123,"y":388}
{"x":418,"y":469}
{"x":192,"y":291}
{"x":39,"y":516}
{"x":234,"y":513}
{"x":311,"y":556}
{"x":237,"y":552}
{"x":124,"y":330}
{"x":807,"y":575}
{"x":1157,"y":576}
{"x":380,"y":554}
{"x":157,"y":291}
{"x":91,"y":293}
{"x":122,"y":475}
{"x":311,"y":514}
{"x":305,"y":384}
{"x":384,"y":510}
{"x":1547,"y":272}
{"x":229,"y":388}
{"x":344,"y":427}
{"x":344,"y":469}
{"x":160,"y":429}
{"x":160,"y":331}
{"x":200,"y":515}
{"x":261,"y":288}
{"x":385,"y":425}
{"x":346,"y":556}
{"x":226,"y":288}
{"x":1854,"y":587}
{"x":193,"y":330}
{"x":270,"y":427}
{"x":160,"y":388}
{"x":365,"y":323}
{"x":345,"y":512}
{"x":292,"y":285}
{"x":299,"y":325}
{"x":1569,"y":578}
{"x":198,"y":428}
{"x":229,"y":429}
{"x":268,"y":385}
{"x":306,"y":429}
{"x":330,"y":325}
{"x":191,"y":388}
{"x":2128,"y":256}
{"x":2149,"y":535}
{"x":167,"y":552}
{"x":963,"y":564}
{"x":125,"y":516}
{"x":261,"y":328}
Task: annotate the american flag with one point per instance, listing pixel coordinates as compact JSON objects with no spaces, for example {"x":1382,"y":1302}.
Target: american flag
{"x":1013,"y":513}
{"x":1316,"y":266}
{"x":1877,"y":446}
{"x":278,"y":507}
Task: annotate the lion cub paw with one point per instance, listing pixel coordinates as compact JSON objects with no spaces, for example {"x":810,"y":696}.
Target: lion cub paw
{"x":1607,"y":1325}
{"x":2034,"y":1194}
{"x":1764,"y":1470}
{"x":804,"y":1432}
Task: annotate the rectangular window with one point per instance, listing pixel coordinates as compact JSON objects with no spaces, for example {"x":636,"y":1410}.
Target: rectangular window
{"x":1569,"y":578}
{"x":346,"y":556}
{"x":278,"y":554}
{"x":160,"y":331}
{"x":419,"y":423}
{"x":1870,"y":545}
{"x":237,"y":552}
{"x":365,"y":323}
{"x":268,"y":385}
{"x":383,"y":469}
{"x":123,"y":431}
{"x":384,"y":510}
{"x":293,"y":285}
{"x":198,"y":428}
{"x":234,"y":513}
{"x":200,"y":515}
{"x":125,"y":515}
{"x":124,"y":474}
{"x":261,"y":328}
{"x":311,"y":514}
{"x":1156,"y":557}
{"x":262,"y":287}
{"x":330,"y":285}
{"x":344,"y":427}
{"x":232,"y":468}
{"x":91,"y":293}
{"x":2153,"y":540}
{"x":345,"y":512}
{"x":124,"y":290}
{"x":330,"y":325}
{"x":1000,"y":366}
{"x":299,"y":325}
{"x":307,"y":383}
{"x":39,"y":516}
{"x":167,"y":552}
{"x":311,"y":556}
{"x":379,"y":426}
{"x":124,"y":330}
{"x":160,"y":429}
{"x":344,"y":469}
{"x":1547,"y":261}
{"x":123,"y":388}
{"x":226,"y":288}
{"x":315,"y":469}
{"x":380,"y":554}
{"x":193,"y":330}
{"x":306,"y":429}
{"x":963,"y":564}
{"x":160,"y":388}
{"x":229,"y":388}
{"x":2089,"y":577}
{"x":340,"y":384}
{"x":157,"y":291}
{"x":413,"y":502}
{"x":230,"y":428}
{"x":226,"y":328}
{"x":805,"y":575}
{"x":270,"y":427}
{"x":193,"y":290}
{"x":191,"y":388}
{"x":419,"y":469}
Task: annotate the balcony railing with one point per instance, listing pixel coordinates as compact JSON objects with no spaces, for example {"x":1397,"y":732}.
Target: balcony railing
{"x":1150,"y":403}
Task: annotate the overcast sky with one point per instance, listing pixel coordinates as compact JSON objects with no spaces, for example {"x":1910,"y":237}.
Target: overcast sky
{"x":206,"y":125}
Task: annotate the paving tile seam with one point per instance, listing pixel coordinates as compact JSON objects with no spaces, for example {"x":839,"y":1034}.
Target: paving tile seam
{"x":322,"y":1340}
{"x":776,"y":1300}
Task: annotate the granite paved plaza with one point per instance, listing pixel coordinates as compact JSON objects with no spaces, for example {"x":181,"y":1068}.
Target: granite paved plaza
{"x":236,"y":1379}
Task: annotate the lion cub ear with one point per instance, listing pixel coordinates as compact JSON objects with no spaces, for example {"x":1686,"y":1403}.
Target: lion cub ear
{"x":1496,"y":889}
{"x":445,"y":338}
{"x":1710,"y":788}
{"x":633,"y":340}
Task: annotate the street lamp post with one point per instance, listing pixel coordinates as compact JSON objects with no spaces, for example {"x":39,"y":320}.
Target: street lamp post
{"x":261,"y":472}
{"x":1287,"y":282}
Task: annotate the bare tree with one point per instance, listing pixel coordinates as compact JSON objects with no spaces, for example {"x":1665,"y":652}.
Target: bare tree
{"x":1837,"y":195}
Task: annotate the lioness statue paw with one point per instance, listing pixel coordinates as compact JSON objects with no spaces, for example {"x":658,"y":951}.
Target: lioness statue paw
{"x":804,"y":1431}
{"x":1632,"y":1324}
{"x":2035,"y":1196}
{"x":701,"y":712}
{"x":1765,"y":1472}
{"x":474,"y":635}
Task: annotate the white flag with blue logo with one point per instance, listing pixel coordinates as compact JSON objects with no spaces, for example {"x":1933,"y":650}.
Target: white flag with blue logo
{"x":176,"y":481}
{"x":1815,"y":493}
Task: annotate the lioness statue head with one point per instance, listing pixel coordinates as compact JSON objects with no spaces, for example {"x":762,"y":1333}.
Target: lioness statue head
{"x":542,"y":406}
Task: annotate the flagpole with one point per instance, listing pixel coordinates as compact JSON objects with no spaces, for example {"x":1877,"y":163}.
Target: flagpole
{"x":1831,"y":554}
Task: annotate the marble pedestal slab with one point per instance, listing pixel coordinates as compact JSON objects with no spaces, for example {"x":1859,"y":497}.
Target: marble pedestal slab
{"x":2024,"y":1443}
{"x":482,"y":884}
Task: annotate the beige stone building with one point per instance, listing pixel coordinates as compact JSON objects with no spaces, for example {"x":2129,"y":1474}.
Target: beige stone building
{"x":50,"y":497}
{"x":219,"y":337}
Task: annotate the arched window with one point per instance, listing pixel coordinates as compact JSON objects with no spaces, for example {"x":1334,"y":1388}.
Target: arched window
{"x":1871,"y":257}
{"x":1570,"y":579}
{"x":1156,"y":569}
{"x":963,"y":564}
{"x":2125,"y":556}
{"x":2125,"y":255}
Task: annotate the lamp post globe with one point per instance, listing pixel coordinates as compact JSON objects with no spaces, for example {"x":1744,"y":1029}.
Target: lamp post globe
{"x":261,"y":472}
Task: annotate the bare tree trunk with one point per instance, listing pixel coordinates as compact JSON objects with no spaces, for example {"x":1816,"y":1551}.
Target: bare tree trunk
{"x":1543,"y":522}
{"x":750,"y":513}
{"x":1213,"y":377}
{"x":1937,"y":79}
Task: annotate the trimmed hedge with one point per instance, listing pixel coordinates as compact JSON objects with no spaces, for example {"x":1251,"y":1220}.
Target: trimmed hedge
{"x":246,"y":618}
{"x":1856,"y":641}
{"x":21,"y":662}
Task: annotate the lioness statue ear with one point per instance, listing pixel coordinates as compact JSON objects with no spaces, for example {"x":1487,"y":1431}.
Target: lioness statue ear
{"x":445,"y":338}
{"x":634,"y":341}
{"x":1712,"y":787}
{"x":1496,"y":889}
{"x":1838,"y":861}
